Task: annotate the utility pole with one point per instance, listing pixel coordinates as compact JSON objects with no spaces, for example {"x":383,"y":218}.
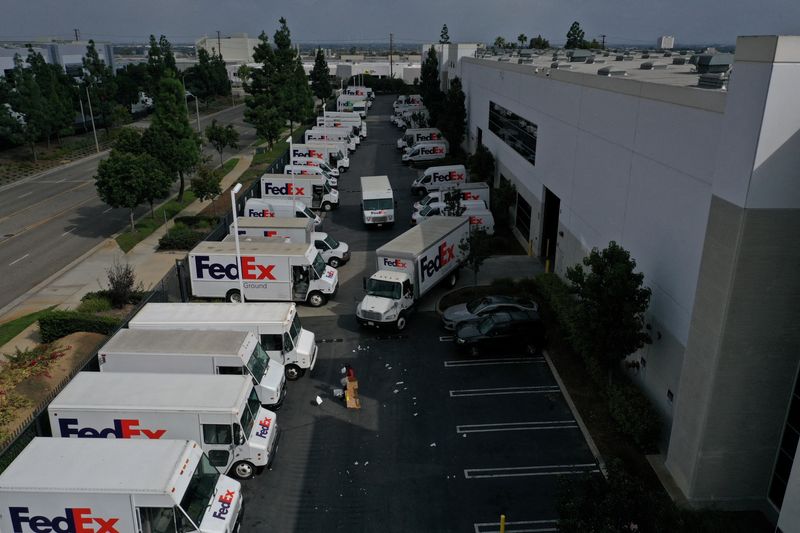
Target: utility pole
{"x":219,"y":44}
{"x":391,"y":64}
{"x":604,"y":41}
{"x":77,"y":34}
{"x":91,"y":113}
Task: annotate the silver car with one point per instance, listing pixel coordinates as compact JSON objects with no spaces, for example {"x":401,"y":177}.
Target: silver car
{"x":483,"y":306}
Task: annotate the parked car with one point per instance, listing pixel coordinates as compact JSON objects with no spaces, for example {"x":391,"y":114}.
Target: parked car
{"x":481,"y":307}
{"x":500,"y":332}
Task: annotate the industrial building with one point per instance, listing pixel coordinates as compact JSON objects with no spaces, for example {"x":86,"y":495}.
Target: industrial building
{"x":692,"y":163}
{"x":236,"y":49}
{"x":68,"y":54}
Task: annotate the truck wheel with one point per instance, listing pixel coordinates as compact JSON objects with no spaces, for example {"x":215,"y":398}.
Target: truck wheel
{"x":243,"y":470}
{"x":327,"y":206}
{"x":234,"y":296}
{"x":294,"y":372}
{"x":334,"y":262}
{"x":401,"y":322}
{"x":316,"y":299}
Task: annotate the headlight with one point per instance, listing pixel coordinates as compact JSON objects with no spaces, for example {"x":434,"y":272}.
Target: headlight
{"x":459,"y":340}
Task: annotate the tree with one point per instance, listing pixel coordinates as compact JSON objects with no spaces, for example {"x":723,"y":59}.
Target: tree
{"x":321,"y":77}
{"x":476,"y":249}
{"x":300,"y":103}
{"x":206,"y":184}
{"x":575,"y":36}
{"x":430,"y":89}
{"x":259,"y":84}
{"x":98,"y":79}
{"x":481,"y":164}
{"x":129,"y":140}
{"x":127,"y":180}
{"x":444,"y":37}
{"x":540,"y":43}
{"x":209,"y":77}
{"x":453,"y":119}
{"x":291,"y":93}
{"x":522,"y":40}
{"x":160,"y":63}
{"x":23,"y":118}
{"x":611,"y":305}
{"x":222,"y":137}
{"x":500,"y":42}
{"x":57,"y":93}
{"x":170,"y":139}
{"x":132,"y":80}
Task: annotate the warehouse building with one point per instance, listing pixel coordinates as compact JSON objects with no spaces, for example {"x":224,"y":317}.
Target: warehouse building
{"x":68,"y":54}
{"x":693,"y":165}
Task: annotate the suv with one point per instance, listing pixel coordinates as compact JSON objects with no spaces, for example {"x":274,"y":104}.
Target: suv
{"x":501,"y":330}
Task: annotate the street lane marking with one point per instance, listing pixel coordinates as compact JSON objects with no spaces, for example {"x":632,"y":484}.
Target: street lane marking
{"x":107,"y":210}
{"x":523,"y":526}
{"x":516,"y":426}
{"x":528,"y":471}
{"x":45,"y":199}
{"x":494,"y":361}
{"x":462,"y":393}
{"x":45,"y":220}
{"x":12,"y":263}
{"x":67,"y":232}
{"x":26,"y":194}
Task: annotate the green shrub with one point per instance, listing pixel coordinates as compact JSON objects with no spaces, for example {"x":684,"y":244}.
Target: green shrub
{"x":95,"y":304}
{"x":56,"y":324}
{"x":197,"y":221}
{"x":121,"y":284}
{"x":134,"y":298}
{"x":180,"y":237}
{"x":633,"y":414}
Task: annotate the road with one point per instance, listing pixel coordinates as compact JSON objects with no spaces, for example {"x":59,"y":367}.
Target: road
{"x":51,"y":220}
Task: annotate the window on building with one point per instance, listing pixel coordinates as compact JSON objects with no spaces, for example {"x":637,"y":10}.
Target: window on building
{"x":523,"y":218}
{"x":74,"y":70}
{"x":517,"y":132}
{"x":786,"y":453}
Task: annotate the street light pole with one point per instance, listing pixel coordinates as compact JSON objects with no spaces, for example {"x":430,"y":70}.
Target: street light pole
{"x":197,"y":112}
{"x":91,"y":114}
{"x":234,"y":191}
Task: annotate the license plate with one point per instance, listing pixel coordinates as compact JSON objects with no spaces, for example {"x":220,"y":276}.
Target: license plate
{"x":370,"y":323}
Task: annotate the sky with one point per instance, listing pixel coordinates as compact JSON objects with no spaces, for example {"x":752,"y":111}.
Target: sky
{"x":636,"y":22}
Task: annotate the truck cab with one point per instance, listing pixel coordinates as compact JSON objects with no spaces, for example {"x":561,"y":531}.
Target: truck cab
{"x":333,"y":252}
{"x":377,"y":200}
{"x":389,"y":296}
{"x":300,"y":169}
{"x":316,"y":162}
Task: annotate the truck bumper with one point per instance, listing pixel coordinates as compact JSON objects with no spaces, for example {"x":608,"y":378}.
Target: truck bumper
{"x":277,"y":405}
{"x":274,"y":449}
{"x":374,"y":323}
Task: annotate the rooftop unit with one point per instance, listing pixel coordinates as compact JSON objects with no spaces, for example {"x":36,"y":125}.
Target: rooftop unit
{"x":649,"y":65}
{"x":611,"y":71}
{"x":713,"y":80}
{"x":716,"y":63}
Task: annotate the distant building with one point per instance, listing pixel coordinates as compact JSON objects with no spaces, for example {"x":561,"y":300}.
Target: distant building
{"x":236,"y":48}
{"x":449,"y":57}
{"x":68,"y":54}
{"x":666,"y":42}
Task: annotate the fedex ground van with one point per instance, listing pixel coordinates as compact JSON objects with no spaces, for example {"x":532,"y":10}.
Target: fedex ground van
{"x":281,"y":272}
{"x":277,"y":207}
{"x":336,"y":119}
{"x":435,"y":178}
{"x":221,"y":413}
{"x":343,"y":135}
{"x":426,"y":151}
{"x":117,"y":486}
{"x":333,"y":152}
{"x":312,"y":190}
{"x":469,"y":191}
{"x":413,"y":136}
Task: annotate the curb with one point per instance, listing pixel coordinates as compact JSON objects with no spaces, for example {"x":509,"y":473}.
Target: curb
{"x":55,"y":169}
{"x":586,"y":435}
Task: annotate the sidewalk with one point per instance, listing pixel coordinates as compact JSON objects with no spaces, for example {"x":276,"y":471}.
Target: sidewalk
{"x":88,"y":273}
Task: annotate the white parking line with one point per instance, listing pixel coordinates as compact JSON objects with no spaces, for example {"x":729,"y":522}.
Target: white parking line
{"x":461,"y":393}
{"x":493,"y":361}
{"x":107,"y":210}
{"x":445,"y":338}
{"x":527,"y":471}
{"x":12,"y":263}
{"x":24,"y":195}
{"x":524,"y":526}
{"x":66,"y":232}
{"x":516,"y":426}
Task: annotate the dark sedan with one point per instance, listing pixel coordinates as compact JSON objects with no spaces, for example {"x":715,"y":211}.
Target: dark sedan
{"x":481,"y":307}
{"x":500,"y":332}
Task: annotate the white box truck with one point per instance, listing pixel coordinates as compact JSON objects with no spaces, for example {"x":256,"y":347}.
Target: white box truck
{"x":418,"y":118}
{"x":332,"y":172}
{"x":276,"y":325}
{"x":117,"y":486}
{"x":276,"y":207}
{"x":435,"y":178}
{"x":406,"y":99}
{"x":301,"y":169}
{"x":339,"y":135}
{"x":426,"y":151}
{"x":339,"y":119}
{"x":334,"y":153}
{"x":409,"y":266}
{"x":281,"y":272}
{"x":377,"y":200}
{"x":312,"y":190}
{"x":413,"y":136}
{"x":221,"y":413}
{"x":340,"y":132}
{"x":296,"y":230}
{"x":469,"y":191}
{"x":352,"y":103}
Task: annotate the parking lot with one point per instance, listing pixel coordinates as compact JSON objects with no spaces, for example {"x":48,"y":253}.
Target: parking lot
{"x":442,"y":442}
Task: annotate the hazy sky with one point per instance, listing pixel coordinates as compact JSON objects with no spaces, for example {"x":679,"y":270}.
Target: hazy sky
{"x":628,"y":21}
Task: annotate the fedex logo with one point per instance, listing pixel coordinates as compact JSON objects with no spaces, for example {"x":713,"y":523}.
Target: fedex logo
{"x":467,"y":195}
{"x":273,"y":233}
{"x":122,"y":429}
{"x":226,"y":501}
{"x":450,"y":176}
{"x":428,"y":137}
{"x":250,"y":269}
{"x":287,"y":190}
{"x":77,"y":520}
{"x":432,"y":150}
{"x":444,"y":255}
{"x":264,"y":426}
{"x":476,"y":221}
{"x":263,"y":213}
{"x":396,"y":263}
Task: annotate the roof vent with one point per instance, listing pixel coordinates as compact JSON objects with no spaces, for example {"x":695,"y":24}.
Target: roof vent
{"x":649,"y":65}
{"x":590,"y":59}
{"x":679,"y":60}
{"x":611,"y":71}
{"x":606,"y":54}
{"x":713,"y":80}
{"x":645,"y":56}
{"x":714,"y":63}
{"x":667,"y":54}
{"x":562,"y":66}
{"x":619,"y":58}
{"x":627,"y":58}
{"x":599,"y":61}
{"x":579,"y":55}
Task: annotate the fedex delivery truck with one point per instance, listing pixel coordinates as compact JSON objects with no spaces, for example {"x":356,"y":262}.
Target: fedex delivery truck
{"x":340,"y":135}
{"x":427,"y":151}
{"x":352,"y":103}
{"x":296,"y":230}
{"x":360,"y":90}
{"x":338,"y":118}
{"x":312,"y":190}
{"x":469,"y":191}
{"x":340,"y":132}
{"x":377,"y":200}
{"x":222,"y":413}
{"x":334,"y":153}
{"x":441,"y":208}
{"x":317,"y":162}
{"x":276,"y":325}
{"x":417,"y":118}
{"x":407,"y":99}
{"x":276,"y":207}
{"x":409,"y":266}
{"x":435,"y":178}
{"x":413,"y":136}
{"x":117,"y":486}
{"x":283,"y":272}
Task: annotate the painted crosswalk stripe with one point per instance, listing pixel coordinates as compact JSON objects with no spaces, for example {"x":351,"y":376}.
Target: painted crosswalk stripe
{"x":521,"y":526}
{"x":461,"y":393}
{"x":494,"y":361}
{"x":516,"y":426}
{"x":529,"y":471}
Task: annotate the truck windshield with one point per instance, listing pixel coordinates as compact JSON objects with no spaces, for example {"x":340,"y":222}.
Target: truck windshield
{"x":426,"y":200}
{"x":257,"y":365}
{"x":327,"y":187}
{"x":198,"y":495}
{"x":428,"y":211}
{"x":331,"y":242}
{"x":383,"y":289}
{"x":318,"y":266}
{"x":378,"y":203}
{"x":308,"y":213}
{"x":250,"y":411}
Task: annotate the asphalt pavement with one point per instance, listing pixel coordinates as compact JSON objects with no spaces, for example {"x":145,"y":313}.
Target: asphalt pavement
{"x":50,"y":220}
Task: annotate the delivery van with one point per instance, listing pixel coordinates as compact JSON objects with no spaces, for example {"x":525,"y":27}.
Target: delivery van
{"x":435,"y":178}
{"x":332,"y":152}
{"x":413,"y":136}
{"x":377,"y":200}
{"x":352,"y":103}
{"x":407,"y":99}
{"x":276,"y":207}
{"x":346,"y":132}
{"x":277,"y":325}
{"x":221,"y":413}
{"x":304,"y":170}
{"x":441,"y":209}
{"x":313,"y":190}
{"x":117,"y":486}
{"x":317,"y":162}
{"x":270,"y":272}
{"x":296,"y":230}
{"x":426,"y":151}
{"x":482,"y":219}
{"x":335,"y":119}
{"x":342,"y":135}
{"x":468,"y":191}
{"x":416,"y":118}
